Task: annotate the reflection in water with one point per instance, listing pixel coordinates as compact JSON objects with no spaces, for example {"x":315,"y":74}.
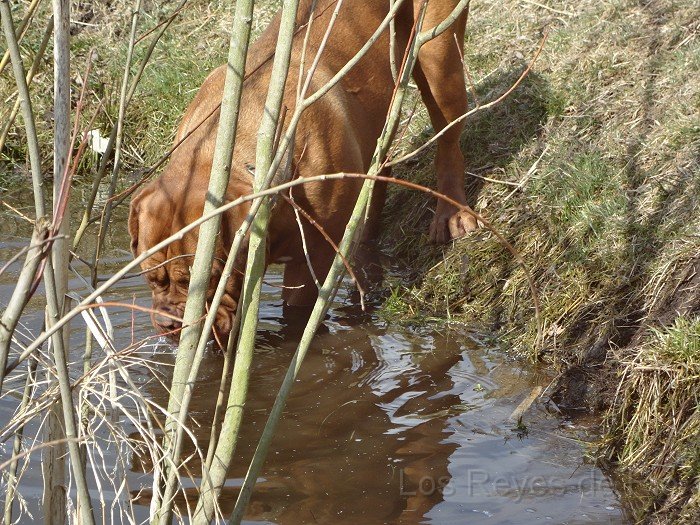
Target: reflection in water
{"x":393,"y":425}
{"x":360,"y":429}
{"x":385,"y":424}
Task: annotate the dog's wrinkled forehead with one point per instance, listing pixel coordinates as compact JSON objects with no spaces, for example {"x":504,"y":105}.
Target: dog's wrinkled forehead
{"x":159,"y":211}
{"x":164,"y":268}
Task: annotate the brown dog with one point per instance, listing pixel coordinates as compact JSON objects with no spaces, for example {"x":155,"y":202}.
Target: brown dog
{"x":336,"y":134}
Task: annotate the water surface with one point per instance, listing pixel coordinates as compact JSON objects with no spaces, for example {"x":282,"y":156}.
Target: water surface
{"x":386,"y":424}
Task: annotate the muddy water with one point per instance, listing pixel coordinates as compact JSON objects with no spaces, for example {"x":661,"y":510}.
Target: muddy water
{"x":386,"y":424}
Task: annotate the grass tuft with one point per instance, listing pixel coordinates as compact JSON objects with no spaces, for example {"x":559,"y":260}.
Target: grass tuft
{"x":654,"y":425}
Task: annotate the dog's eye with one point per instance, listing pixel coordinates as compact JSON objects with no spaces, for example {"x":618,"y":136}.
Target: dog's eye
{"x":181,"y":281}
{"x":156,"y":285}
{"x":157,"y":278}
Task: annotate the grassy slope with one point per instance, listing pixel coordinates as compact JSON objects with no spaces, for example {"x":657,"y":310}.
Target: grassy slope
{"x":603,"y":143}
{"x":195,"y":43}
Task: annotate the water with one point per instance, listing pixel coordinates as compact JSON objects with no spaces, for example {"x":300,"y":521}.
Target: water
{"x":386,"y":424}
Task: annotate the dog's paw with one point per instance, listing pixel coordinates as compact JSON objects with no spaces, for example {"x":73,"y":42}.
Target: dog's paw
{"x":447,"y":227}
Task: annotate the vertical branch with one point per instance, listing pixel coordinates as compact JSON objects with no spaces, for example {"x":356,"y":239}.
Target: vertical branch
{"x":392,"y":47}
{"x":61,"y":140}
{"x":255,"y":268}
{"x":27,"y":111}
{"x":115,"y":141}
{"x":330,"y":284}
{"x":104,"y":223}
{"x":115,"y":138}
{"x":53,"y":465}
{"x":304,"y":47}
{"x":53,"y":462}
{"x":223,"y":388}
{"x":54,"y":457}
{"x":56,"y":274}
{"x":188,"y":358}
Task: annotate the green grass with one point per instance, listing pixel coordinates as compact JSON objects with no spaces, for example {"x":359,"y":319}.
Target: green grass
{"x":604,"y":121}
{"x":679,"y":343}
{"x":195,"y":43}
{"x":603,"y":138}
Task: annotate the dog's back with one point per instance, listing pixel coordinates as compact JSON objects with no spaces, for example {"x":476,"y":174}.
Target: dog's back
{"x":336,"y":134}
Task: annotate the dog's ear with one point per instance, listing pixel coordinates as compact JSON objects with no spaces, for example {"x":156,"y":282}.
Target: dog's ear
{"x":133,"y":224}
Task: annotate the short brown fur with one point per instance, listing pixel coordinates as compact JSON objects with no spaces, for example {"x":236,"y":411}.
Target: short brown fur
{"x":336,"y":134}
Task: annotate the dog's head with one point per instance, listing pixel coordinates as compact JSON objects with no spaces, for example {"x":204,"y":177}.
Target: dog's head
{"x":161,"y":209}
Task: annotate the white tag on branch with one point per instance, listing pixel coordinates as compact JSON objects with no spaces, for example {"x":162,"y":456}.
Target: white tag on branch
{"x":98,"y":143}
{"x":104,"y":335}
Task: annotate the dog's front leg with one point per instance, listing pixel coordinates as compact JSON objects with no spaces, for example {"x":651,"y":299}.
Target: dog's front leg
{"x":440,"y":78}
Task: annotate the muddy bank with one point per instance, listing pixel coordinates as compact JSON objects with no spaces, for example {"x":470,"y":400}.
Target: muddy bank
{"x":591,"y":170}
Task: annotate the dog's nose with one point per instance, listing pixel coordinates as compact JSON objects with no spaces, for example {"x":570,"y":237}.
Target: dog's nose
{"x":165,"y":321}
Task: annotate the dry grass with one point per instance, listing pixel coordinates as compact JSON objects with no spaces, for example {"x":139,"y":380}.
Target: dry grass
{"x":654,"y":425}
{"x":195,"y":43}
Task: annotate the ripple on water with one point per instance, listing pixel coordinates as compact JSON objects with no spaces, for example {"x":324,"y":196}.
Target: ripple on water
{"x":385,"y":424}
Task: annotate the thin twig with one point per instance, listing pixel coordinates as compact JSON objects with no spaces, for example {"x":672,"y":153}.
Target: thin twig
{"x":36,"y":64}
{"x":12,"y":478}
{"x":496,"y":181}
{"x":41,"y":338}
{"x":304,"y":247}
{"x":329,"y":240}
{"x":21,"y":31}
{"x":553,"y":10}
{"x":107,"y":211}
{"x":469,"y":113}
